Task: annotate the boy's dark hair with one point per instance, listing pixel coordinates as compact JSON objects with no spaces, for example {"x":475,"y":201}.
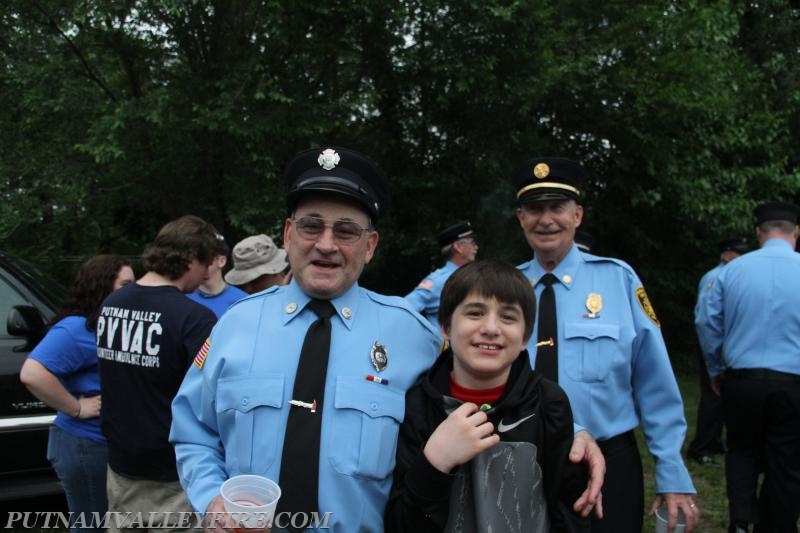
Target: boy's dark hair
{"x":178,"y":243}
{"x":93,"y":282}
{"x":489,"y":278}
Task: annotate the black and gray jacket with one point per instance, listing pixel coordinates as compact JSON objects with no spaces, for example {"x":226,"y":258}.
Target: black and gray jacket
{"x":526,"y":483}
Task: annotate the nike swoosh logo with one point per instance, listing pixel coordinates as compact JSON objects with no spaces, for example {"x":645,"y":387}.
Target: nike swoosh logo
{"x":502,"y":427}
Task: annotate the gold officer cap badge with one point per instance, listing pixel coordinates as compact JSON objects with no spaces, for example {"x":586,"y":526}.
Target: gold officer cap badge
{"x":541,"y":171}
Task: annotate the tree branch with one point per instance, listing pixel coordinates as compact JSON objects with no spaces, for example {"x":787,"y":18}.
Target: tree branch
{"x":89,"y":71}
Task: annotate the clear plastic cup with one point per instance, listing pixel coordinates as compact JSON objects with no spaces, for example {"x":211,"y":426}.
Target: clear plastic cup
{"x":251,"y":500}
{"x":662,"y":517}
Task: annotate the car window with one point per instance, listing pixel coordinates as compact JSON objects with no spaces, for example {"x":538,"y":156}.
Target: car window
{"x":9,"y":297}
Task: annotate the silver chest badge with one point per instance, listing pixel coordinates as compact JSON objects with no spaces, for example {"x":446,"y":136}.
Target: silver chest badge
{"x":328,"y":159}
{"x":379,"y":356}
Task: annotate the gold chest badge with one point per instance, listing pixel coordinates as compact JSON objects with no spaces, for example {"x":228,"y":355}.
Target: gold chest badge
{"x":594,"y":303}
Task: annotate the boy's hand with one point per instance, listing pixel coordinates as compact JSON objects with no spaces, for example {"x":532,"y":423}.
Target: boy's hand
{"x":463,"y":435}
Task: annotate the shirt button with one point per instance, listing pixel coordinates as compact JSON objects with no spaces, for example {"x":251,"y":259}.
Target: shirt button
{"x":244,"y":401}
{"x":373,"y":406}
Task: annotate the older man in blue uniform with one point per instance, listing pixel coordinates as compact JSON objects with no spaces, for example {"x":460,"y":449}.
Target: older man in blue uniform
{"x":599,"y":337}
{"x":458,"y":248}
{"x":246,"y":407}
{"x":749,"y":330}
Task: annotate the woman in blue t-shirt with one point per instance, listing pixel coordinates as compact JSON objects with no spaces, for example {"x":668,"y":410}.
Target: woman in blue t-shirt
{"x":62,"y":372}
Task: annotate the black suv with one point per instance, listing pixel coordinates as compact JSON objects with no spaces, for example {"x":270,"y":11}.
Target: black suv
{"x":28,"y":300}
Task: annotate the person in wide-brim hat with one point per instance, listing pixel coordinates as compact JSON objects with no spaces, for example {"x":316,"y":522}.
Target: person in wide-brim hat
{"x":257,"y":264}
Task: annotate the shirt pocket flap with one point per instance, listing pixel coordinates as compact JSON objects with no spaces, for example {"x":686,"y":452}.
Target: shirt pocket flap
{"x":372,"y":399}
{"x":591,"y":331}
{"x":246,"y":393}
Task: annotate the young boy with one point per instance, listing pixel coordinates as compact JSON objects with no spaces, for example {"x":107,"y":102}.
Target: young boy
{"x":485,"y":441}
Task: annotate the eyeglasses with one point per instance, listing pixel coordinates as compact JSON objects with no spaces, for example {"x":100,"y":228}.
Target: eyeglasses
{"x":344,"y":231}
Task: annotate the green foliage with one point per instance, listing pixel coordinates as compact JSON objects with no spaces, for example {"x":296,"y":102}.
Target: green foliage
{"x":120,"y":116}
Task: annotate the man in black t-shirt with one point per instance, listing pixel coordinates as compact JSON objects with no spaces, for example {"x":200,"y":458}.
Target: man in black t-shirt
{"x":147,"y":336}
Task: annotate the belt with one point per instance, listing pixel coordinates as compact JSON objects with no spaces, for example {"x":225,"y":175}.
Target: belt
{"x":623,"y":440}
{"x":762,"y":373}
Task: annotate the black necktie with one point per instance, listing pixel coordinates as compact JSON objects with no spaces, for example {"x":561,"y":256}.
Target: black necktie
{"x":546,"y":348}
{"x":299,"y":477}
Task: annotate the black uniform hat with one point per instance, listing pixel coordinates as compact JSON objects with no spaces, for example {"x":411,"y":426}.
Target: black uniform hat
{"x":738,"y":245}
{"x":549,"y":178}
{"x":776,"y":211}
{"x":455,"y":232}
{"x":340,"y":171}
{"x":584,"y":240}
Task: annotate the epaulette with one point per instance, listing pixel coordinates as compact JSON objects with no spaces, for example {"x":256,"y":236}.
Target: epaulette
{"x":400,"y":303}
{"x":260,"y":294}
{"x":589,"y":258}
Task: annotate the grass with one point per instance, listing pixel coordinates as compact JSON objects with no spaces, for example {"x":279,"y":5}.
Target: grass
{"x":709,"y":480}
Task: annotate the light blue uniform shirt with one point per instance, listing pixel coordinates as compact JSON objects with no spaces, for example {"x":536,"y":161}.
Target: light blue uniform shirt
{"x":614,"y":364}
{"x":752,"y":312}
{"x":230,"y":414}
{"x":705,"y":284}
{"x":425,"y":297}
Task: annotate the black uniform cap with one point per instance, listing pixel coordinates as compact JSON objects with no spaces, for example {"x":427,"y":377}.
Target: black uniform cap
{"x":738,"y":245}
{"x":455,"y":232}
{"x":776,"y":211}
{"x":549,"y":178}
{"x":339,"y":171}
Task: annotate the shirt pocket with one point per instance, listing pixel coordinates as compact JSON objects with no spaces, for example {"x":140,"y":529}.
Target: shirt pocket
{"x":249,"y":413}
{"x":593,"y":352}
{"x":365,"y":424}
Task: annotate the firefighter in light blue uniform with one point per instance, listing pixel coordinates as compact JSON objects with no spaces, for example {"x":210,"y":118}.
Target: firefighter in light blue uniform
{"x":749,"y":329}
{"x":726,"y":343}
{"x":458,"y":247}
{"x":606,"y":380}
{"x":612,"y":361}
{"x":708,"y":433}
{"x":230,"y":415}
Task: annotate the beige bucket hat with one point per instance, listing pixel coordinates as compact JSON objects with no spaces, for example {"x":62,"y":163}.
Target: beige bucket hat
{"x":253,"y":257}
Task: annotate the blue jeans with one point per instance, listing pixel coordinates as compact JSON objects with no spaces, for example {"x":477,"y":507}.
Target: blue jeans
{"x":81,"y":467}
